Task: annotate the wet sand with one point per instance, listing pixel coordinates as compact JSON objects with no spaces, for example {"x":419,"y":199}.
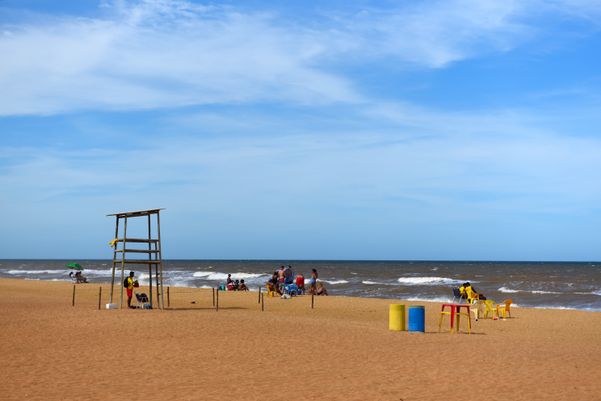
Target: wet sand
{"x":341,"y":350}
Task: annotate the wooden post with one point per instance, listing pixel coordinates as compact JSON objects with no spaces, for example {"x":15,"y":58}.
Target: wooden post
{"x":123,"y":260}
{"x":99,"y":297}
{"x":262,"y":302}
{"x":312,"y":300}
{"x":217,"y":305}
{"x":259,"y":294}
{"x":160,"y":257}
{"x":150,"y":266}
{"x":116,"y":244}
{"x":73,"y":302}
{"x":213,"y":296}
{"x":168,"y":298}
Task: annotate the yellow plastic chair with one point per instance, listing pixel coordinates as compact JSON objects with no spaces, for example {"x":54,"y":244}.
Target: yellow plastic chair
{"x":476,"y":309}
{"x":471,"y":295}
{"x":504,"y":308}
{"x":491,"y":308}
{"x":271,"y":292}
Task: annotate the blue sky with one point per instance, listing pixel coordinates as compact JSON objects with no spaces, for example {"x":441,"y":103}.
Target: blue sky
{"x":335,"y":130}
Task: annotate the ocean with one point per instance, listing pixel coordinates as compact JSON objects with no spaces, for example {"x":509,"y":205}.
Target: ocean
{"x":556,"y":285}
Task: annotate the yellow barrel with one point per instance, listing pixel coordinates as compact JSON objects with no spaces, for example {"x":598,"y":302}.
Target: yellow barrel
{"x":396,"y":319}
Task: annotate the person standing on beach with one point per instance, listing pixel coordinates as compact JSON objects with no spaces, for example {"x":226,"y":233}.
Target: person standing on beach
{"x":313,"y":282}
{"x":281,"y":278}
{"x":289,"y":275}
{"x":130,"y":288}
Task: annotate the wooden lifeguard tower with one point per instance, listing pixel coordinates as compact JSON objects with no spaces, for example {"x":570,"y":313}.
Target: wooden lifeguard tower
{"x":125,"y":248}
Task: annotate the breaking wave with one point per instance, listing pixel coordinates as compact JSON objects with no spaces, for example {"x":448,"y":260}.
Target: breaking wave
{"x":429,"y":281}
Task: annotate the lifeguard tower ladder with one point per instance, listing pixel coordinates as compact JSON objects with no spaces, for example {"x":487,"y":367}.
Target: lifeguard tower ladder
{"x":124,"y":247}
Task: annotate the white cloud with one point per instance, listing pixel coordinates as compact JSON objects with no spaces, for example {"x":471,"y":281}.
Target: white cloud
{"x":482,"y":175}
{"x":160,"y":54}
{"x":156,"y":54}
{"x":503,"y":155}
{"x":440,"y":32}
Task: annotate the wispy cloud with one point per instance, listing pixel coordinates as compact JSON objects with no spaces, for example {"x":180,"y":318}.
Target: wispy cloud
{"x":159,"y":54}
{"x":504,"y":155}
{"x":156,"y":54}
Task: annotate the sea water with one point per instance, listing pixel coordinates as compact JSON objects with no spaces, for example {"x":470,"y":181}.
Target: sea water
{"x":560,"y":285}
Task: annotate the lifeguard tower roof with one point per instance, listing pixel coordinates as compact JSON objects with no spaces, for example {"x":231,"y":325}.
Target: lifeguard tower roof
{"x":136,"y":213}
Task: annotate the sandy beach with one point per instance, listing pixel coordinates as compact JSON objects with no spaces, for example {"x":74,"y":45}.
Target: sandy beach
{"x":340,"y":350}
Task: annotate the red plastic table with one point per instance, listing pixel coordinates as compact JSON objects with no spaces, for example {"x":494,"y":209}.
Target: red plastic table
{"x":455,"y":309}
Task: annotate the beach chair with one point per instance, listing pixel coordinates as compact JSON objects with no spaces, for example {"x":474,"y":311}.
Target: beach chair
{"x":471,"y":295}
{"x":142,"y":300}
{"x":456,"y":295}
{"x":291,"y":289}
{"x":476,"y":308}
{"x":491,"y":308}
{"x":271,"y":292}
{"x":504,"y":308}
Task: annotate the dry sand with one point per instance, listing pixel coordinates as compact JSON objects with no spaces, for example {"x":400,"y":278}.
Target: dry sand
{"x":341,"y":350}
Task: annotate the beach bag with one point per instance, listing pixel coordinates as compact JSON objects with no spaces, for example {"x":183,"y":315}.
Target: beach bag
{"x":125,"y":283}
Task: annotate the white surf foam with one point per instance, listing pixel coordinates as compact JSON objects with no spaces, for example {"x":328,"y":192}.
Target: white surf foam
{"x":372,"y":282}
{"x":428,"y":281}
{"x":104,"y":272}
{"x":181,"y":282}
{"x":17,"y":272}
{"x":217,"y":276}
{"x":588,"y":309}
{"x":334,"y":282}
{"x":512,"y":291}
{"x":203,"y":274}
{"x":428,"y":299}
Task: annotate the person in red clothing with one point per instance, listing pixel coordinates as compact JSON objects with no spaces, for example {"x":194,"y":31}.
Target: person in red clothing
{"x":300,"y":283}
{"x":130,"y":288}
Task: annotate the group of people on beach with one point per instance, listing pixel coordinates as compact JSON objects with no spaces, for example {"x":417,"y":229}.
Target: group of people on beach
{"x":468,"y":292}
{"x":235,"y":285}
{"x":284,"y":277}
{"x":78,"y":277}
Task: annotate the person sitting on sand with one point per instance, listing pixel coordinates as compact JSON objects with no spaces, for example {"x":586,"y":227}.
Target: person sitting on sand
{"x":273,"y":284}
{"x":462,"y":291}
{"x":242,"y":286}
{"x":236,"y":285}
{"x":78,"y":277}
{"x":321,"y":289}
{"x":229,"y":279}
{"x":472,"y":293}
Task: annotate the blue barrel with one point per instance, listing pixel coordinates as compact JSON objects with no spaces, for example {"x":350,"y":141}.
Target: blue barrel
{"x":417,"y":319}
